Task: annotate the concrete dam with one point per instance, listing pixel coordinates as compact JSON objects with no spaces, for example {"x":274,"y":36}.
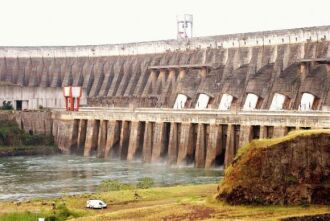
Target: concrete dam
{"x":181,"y":102}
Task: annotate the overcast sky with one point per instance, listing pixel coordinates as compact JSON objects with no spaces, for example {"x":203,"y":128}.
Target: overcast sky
{"x":80,"y":22}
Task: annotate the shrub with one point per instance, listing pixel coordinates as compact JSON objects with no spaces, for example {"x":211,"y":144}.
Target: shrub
{"x":37,"y":139}
{"x":6,"y":105}
{"x":10,"y":134}
{"x":145,"y":183}
{"x":62,"y":213}
{"x":113,"y":185}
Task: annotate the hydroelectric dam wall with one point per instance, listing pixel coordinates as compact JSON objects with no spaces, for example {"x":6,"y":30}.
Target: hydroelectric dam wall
{"x":194,"y":101}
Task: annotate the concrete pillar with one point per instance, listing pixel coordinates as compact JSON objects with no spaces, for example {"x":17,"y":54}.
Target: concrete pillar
{"x":74,"y":139}
{"x":214,"y":147}
{"x":124,"y":139}
{"x":304,"y":70}
{"x":160,"y":82}
{"x":54,"y":128}
{"x":158,"y":141}
{"x":185,"y":142}
{"x":202,"y":73}
{"x":91,"y":137}
{"x":151,"y":83}
{"x":81,"y":135}
{"x":170,"y":84}
{"x":245,"y":135}
{"x":280,"y":131}
{"x":64,"y":135}
{"x":201,"y":145}
{"x":113,"y":135}
{"x":102,"y":139}
{"x":173,"y":143}
{"x":182,"y":74}
{"x":263,"y":132}
{"x":134,"y":139}
{"x":230,"y":145}
{"x":148,"y":142}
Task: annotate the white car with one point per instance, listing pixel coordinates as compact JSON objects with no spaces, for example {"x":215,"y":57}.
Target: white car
{"x":96,"y":204}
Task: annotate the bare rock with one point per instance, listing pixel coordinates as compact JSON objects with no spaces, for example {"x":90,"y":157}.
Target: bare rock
{"x":292,"y":171}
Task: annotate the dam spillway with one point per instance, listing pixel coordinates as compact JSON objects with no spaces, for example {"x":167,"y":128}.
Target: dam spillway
{"x":203,"y":138}
{"x":193,"y":101}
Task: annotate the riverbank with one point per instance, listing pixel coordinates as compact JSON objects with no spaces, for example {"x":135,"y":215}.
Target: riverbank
{"x":6,"y":151}
{"x":192,"y":202}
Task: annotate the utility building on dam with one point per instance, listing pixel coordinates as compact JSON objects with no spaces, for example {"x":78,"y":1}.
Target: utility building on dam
{"x":180,"y":101}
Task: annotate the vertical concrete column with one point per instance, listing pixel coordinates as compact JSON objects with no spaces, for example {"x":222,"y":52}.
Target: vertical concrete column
{"x":203,"y":72}
{"x":148,"y":142}
{"x":151,"y":83}
{"x":263,"y":132}
{"x":133,"y":140}
{"x":153,"y":80}
{"x":230,"y":145}
{"x":184,"y":141}
{"x":303,"y":69}
{"x":158,"y":141}
{"x":91,"y":137}
{"x":280,"y":131}
{"x":171,"y":81}
{"x":102,"y":139}
{"x":213,"y":148}
{"x":182,"y":74}
{"x":54,"y":129}
{"x":160,"y":82}
{"x":113,"y":135}
{"x":200,"y":153}
{"x":245,"y":135}
{"x":74,"y":139}
{"x":124,"y":139}
{"x":81,"y":134}
{"x":173,"y":144}
{"x":64,"y":135}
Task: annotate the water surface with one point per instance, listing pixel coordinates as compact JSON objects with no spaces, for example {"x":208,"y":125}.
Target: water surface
{"x":51,"y":176}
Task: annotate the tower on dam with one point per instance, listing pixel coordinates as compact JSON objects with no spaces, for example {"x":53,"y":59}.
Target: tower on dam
{"x":184,"y":26}
{"x":194,"y":101}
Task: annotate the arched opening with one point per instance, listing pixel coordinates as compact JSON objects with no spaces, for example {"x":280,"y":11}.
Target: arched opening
{"x":308,"y":102}
{"x":180,"y":101}
{"x":278,"y":102}
{"x":226,"y":102}
{"x":202,"y":101}
{"x":252,"y":102}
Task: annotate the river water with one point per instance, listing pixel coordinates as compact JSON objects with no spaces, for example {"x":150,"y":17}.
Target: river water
{"x":29,"y":177}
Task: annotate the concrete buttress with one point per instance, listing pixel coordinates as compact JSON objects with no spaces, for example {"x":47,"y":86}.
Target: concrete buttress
{"x":148,"y":142}
{"x":102,"y":139}
{"x":113,"y":136}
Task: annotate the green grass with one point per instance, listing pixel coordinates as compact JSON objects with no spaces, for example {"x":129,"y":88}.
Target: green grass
{"x":191,"y":202}
{"x":61,"y":213}
{"x":21,"y":216}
